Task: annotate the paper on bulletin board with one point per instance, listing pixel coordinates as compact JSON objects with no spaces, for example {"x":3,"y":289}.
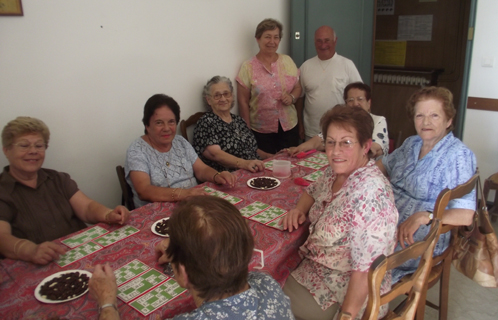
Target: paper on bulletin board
{"x":390,"y":53}
{"x":415,"y":27}
{"x":385,"y":7}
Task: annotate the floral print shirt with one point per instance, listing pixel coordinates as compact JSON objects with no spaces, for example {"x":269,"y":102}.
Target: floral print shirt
{"x":234,"y":138}
{"x":267,"y":86}
{"x":263,"y":300}
{"x":348,"y":231}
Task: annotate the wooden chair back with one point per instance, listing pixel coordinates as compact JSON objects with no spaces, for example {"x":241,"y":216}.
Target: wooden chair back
{"x":411,"y":285}
{"x":441,"y":265}
{"x":126,"y":192}
{"x":491,"y":183}
{"x":184,"y":124}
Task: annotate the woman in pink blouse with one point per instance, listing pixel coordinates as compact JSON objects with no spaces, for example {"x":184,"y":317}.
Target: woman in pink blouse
{"x":267,"y":88}
{"x":353,"y":221}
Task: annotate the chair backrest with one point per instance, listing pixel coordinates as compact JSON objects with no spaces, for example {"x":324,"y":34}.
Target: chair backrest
{"x":184,"y":124}
{"x":491,"y":183}
{"x":410,"y":285}
{"x":447,"y":195}
{"x":126,"y":192}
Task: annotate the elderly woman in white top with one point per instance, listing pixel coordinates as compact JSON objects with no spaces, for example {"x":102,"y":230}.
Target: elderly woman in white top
{"x":161,"y":166}
{"x":356,"y":94}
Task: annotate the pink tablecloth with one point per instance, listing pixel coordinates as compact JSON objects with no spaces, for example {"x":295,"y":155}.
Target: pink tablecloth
{"x":18,"y":279}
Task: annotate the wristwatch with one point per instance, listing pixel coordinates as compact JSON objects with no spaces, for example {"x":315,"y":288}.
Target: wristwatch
{"x":431,"y":217}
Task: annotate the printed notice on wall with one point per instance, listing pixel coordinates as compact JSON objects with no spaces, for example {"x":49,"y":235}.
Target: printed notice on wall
{"x":385,"y":7}
{"x":390,"y":53}
{"x":415,"y":28}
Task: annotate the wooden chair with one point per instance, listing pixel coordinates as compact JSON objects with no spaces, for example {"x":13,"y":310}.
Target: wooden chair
{"x":441,"y":265}
{"x":126,"y":192}
{"x":411,"y":285}
{"x":491,"y":183}
{"x":184,"y":124}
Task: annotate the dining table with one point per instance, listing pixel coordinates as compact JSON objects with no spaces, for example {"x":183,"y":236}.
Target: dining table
{"x":280,"y":250}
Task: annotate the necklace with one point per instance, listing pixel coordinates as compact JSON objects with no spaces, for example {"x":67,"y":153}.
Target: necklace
{"x":162,"y":156}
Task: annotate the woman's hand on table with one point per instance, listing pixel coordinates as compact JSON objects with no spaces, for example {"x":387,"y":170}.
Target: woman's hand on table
{"x":292,"y":151}
{"x":160,"y":250}
{"x":225,"y":178}
{"x":293,"y":219}
{"x":253,"y":165}
{"x":118,"y":215}
{"x":42,"y":253}
{"x":102,"y":285}
{"x":410,"y":226}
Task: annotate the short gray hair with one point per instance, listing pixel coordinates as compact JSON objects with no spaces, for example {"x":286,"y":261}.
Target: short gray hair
{"x":215,"y":80}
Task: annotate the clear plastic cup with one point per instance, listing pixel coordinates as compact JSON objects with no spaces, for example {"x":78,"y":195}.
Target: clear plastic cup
{"x":281,"y":169}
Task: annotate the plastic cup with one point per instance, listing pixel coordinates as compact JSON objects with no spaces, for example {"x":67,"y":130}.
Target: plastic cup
{"x":281,"y":169}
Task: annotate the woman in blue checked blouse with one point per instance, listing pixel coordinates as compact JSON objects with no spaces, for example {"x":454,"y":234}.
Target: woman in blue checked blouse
{"x":425,"y":165}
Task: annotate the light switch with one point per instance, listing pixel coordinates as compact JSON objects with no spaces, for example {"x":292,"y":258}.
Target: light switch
{"x":488,"y":62}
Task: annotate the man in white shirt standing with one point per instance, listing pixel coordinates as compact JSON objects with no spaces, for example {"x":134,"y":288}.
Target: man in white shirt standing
{"x":323,"y":79}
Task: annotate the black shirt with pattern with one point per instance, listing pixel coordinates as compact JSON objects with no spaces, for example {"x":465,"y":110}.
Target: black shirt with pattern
{"x":234,"y":138}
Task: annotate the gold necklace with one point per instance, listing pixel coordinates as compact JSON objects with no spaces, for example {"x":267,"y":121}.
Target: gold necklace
{"x":155,"y":150}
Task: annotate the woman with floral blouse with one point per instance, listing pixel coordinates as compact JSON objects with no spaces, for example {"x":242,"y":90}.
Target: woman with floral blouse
{"x":353,"y":221}
{"x":267,"y":88}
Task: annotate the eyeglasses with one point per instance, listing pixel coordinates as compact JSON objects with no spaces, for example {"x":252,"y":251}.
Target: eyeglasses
{"x":224,"y":94}
{"x":168,"y":270}
{"x":344,"y":144}
{"x":359,"y":99}
{"x":25,"y":146}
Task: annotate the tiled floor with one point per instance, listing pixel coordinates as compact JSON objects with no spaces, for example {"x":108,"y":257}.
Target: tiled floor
{"x":468,"y":300}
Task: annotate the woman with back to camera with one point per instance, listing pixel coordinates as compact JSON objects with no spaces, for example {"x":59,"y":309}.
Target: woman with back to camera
{"x":161,"y":166}
{"x":267,"y":88}
{"x":423,"y":166}
{"x":353,"y":221}
{"x":39,"y":205}
{"x":210,"y":247}
{"x":222,"y":139}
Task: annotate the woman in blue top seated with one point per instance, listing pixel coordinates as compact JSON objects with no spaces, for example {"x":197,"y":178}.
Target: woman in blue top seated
{"x":209,"y":248}
{"x":161,"y":166}
{"x":425,"y":165}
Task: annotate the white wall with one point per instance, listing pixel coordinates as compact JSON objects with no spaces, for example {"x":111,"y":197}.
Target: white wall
{"x":86,"y":69}
{"x":481,"y":127}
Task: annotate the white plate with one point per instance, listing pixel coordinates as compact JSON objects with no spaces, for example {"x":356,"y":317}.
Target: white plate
{"x":153,"y":228}
{"x":55,"y":275}
{"x":274,"y":179}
